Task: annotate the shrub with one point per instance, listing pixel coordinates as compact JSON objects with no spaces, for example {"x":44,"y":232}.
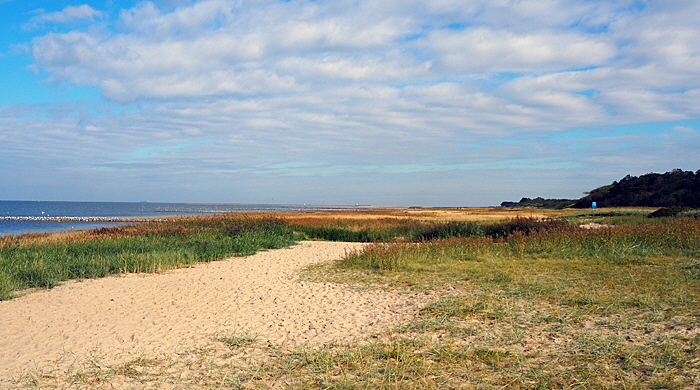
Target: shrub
{"x":672,"y":211}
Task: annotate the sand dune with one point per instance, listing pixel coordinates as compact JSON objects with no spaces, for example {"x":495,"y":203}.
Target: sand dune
{"x":137,"y":314}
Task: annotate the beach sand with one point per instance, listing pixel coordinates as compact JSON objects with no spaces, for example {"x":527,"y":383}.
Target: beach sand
{"x":134,"y":315}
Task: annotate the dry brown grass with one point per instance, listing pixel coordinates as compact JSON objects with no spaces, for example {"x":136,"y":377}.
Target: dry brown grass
{"x":428,"y":214}
{"x":478,"y":214}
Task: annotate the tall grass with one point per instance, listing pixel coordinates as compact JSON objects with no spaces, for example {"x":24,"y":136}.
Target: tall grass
{"x":348,"y":230}
{"x":30,"y":263}
{"x":388,"y":229}
{"x":518,"y":240}
{"x":655,"y":266}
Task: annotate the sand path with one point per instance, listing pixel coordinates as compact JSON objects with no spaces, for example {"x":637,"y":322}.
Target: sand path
{"x":138,"y":314}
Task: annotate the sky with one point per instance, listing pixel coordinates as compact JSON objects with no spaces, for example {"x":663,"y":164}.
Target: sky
{"x":390,"y":103}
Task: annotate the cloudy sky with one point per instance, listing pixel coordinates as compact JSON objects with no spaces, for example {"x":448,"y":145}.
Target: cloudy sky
{"x":392,"y":102}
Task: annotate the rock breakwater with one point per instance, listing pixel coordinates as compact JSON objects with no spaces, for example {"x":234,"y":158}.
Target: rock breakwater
{"x":87,"y":219}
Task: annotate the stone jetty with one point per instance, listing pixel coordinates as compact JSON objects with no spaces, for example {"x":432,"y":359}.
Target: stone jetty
{"x":88,"y":219}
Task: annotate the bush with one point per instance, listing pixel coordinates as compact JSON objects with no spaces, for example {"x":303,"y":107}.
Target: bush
{"x":672,"y":211}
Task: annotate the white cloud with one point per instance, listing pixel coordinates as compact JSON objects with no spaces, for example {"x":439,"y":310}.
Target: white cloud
{"x":680,"y":132}
{"x":310,"y":49}
{"x":483,"y":50}
{"x":214,"y":48}
{"x":660,"y":44}
{"x":67,"y":15}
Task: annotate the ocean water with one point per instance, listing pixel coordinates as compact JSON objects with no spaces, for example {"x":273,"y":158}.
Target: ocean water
{"x":50,"y":212}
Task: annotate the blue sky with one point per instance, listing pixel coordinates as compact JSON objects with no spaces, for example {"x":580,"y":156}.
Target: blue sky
{"x":433,"y":103}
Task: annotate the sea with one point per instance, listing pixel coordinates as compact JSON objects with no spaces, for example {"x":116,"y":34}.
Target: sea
{"x":19,"y":217}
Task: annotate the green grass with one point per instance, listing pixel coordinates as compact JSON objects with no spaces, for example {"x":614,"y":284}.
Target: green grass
{"x":388,"y":230}
{"x":619,"y":245}
{"x":134,"y":249}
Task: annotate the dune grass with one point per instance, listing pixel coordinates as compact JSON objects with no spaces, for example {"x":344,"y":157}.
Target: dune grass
{"x":523,"y":304}
{"x":555,"y":308}
{"x":30,"y":262}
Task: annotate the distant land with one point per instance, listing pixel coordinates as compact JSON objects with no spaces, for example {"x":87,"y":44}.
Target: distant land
{"x":676,"y":188}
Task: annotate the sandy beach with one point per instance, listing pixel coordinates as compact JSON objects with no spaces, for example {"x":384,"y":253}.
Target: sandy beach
{"x":134,"y":315}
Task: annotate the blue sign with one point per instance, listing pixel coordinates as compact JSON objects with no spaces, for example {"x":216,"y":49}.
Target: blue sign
{"x":593,"y":206}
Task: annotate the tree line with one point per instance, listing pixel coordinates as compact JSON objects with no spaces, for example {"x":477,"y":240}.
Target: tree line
{"x":676,"y":188}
